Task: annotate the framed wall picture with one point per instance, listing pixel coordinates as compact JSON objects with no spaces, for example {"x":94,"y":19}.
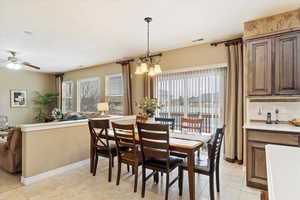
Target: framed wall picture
{"x":18,"y":98}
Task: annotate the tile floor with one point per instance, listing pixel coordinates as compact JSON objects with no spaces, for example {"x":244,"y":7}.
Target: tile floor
{"x":79,"y":184}
{"x":9,"y":182}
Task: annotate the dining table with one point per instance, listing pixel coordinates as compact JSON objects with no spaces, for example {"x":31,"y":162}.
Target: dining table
{"x":184,"y":147}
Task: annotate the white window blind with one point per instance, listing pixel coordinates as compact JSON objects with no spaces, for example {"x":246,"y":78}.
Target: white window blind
{"x":192,"y":94}
{"x":67,"y":96}
{"x":88,"y":94}
{"x":114,"y":93}
{"x":114,"y":85}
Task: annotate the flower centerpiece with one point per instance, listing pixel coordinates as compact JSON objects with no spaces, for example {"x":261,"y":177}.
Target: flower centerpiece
{"x":149,"y":106}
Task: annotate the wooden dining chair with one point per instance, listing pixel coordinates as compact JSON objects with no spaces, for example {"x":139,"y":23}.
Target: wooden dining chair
{"x":100,"y":144}
{"x":192,"y":125}
{"x":214,"y":149}
{"x":125,"y":137}
{"x":154,"y":141}
{"x":141,"y":118}
{"x":264,"y":195}
{"x":169,"y":121}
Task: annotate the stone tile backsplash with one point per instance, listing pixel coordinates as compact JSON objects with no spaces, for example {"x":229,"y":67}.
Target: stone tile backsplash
{"x":287,"y":110}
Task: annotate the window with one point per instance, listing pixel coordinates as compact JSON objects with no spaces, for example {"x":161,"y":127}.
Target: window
{"x":114,"y":93}
{"x":192,"y":94}
{"x":88,"y":94}
{"x":67,"y":96}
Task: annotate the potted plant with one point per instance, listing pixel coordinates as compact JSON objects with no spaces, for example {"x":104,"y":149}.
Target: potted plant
{"x":44,"y":103}
{"x":149,"y":106}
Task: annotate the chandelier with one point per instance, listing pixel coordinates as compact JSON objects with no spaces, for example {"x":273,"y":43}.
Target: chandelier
{"x":147,"y":63}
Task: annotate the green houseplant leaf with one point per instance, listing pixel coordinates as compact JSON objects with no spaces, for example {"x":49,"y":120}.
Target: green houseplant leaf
{"x":44,"y":103}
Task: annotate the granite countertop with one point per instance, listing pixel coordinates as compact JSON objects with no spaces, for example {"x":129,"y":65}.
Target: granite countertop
{"x":272,"y":127}
{"x":283,"y":172}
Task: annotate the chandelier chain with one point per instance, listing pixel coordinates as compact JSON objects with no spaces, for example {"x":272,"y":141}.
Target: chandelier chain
{"x":148,"y":39}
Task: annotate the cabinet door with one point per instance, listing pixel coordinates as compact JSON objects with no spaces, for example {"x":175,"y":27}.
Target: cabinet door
{"x":287,"y":64}
{"x":260,"y":67}
{"x":256,"y":165}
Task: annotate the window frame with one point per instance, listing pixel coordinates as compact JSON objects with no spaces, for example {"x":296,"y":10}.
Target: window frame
{"x":78,"y":89}
{"x":64,"y":97}
{"x":107,"y":77}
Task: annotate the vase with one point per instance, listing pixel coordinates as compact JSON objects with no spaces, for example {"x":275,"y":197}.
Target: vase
{"x":150,"y":113}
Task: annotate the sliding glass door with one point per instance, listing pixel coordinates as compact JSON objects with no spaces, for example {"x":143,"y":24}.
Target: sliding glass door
{"x":192,"y":94}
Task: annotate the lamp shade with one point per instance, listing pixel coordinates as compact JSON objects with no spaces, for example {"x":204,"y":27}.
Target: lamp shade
{"x":144,"y":67}
{"x":139,"y":70}
{"x":151,"y":72}
{"x":103,"y":106}
{"x":157,"y":69}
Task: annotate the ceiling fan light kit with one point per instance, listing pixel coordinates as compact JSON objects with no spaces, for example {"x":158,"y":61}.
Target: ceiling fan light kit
{"x":14,"y":63}
{"x":147,"y":63}
{"x":13,"y":66}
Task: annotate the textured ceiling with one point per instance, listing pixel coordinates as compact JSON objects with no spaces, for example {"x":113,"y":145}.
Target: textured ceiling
{"x":66,"y":34}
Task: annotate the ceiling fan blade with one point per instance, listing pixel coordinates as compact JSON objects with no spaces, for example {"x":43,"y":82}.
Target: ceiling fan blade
{"x":30,"y":65}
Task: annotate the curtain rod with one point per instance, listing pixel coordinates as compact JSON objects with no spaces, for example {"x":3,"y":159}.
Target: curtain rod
{"x":151,"y":56}
{"x":228,"y":42}
{"x":59,"y":75}
{"x":124,"y":62}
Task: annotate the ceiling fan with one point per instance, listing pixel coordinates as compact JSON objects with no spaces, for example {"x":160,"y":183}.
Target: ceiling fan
{"x":14,"y":63}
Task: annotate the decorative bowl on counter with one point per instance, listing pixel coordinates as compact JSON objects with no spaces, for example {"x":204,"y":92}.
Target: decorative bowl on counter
{"x":295,"y":122}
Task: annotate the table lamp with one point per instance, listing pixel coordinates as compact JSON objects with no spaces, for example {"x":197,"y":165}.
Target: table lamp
{"x":103,"y":107}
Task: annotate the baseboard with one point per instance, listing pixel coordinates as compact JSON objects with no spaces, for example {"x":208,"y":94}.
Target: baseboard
{"x":39,"y":177}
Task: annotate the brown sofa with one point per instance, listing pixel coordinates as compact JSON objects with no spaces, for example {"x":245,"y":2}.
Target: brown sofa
{"x":11,"y":152}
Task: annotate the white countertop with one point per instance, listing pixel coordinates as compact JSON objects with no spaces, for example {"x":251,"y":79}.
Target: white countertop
{"x":50,"y":125}
{"x":283,"y":169}
{"x":273,"y":127}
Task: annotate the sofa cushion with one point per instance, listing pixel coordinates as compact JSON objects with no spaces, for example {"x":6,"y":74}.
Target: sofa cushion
{"x":73,"y":116}
{"x":11,"y":152}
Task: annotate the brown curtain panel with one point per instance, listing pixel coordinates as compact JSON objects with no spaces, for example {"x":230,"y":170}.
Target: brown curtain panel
{"x":127,"y":89}
{"x":234,"y":104}
{"x":148,"y":86}
{"x":59,"y":78}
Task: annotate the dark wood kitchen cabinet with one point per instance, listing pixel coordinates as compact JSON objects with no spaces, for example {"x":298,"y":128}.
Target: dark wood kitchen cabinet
{"x":287,"y":64}
{"x":274,"y":65}
{"x":256,"y":167}
{"x":260,"y":67}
